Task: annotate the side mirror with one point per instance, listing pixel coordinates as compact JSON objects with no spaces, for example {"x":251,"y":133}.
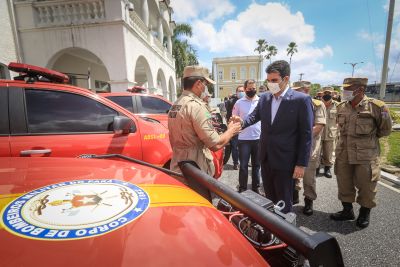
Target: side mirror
{"x":123,"y":125}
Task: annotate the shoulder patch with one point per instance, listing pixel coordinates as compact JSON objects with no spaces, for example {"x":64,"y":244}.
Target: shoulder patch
{"x":317,"y":102}
{"x":377,"y":102}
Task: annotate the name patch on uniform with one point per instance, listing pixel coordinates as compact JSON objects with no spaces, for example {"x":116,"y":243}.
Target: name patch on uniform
{"x":75,"y":209}
{"x":174,"y":110}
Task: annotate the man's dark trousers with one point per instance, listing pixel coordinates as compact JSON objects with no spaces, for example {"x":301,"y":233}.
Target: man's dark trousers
{"x":234,"y":149}
{"x":278,"y":185}
{"x":247,"y":149}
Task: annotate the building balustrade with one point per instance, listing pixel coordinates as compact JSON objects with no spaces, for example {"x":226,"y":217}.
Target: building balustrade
{"x":54,"y":13}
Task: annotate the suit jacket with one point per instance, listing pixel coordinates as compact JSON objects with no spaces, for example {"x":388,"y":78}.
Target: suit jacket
{"x":287,"y":142}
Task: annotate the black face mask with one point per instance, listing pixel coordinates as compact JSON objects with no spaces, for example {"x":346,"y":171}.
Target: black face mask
{"x":251,"y":93}
{"x":326,"y":98}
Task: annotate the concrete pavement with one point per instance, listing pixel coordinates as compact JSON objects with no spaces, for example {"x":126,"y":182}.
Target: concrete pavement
{"x":377,"y":245}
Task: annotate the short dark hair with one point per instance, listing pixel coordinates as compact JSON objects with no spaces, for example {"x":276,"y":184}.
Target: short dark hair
{"x":237,"y":88}
{"x":247,"y":81}
{"x":188,"y":82}
{"x":280,"y":66}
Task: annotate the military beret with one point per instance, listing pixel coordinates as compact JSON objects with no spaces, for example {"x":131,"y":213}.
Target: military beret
{"x":355,"y":81}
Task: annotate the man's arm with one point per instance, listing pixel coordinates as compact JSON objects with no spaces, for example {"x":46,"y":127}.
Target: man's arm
{"x":305,"y":124}
{"x":252,"y":118}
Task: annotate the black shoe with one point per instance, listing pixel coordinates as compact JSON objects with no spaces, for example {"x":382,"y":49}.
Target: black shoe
{"x":308,"y":207}
{"x":240,"y":190}
{"x":363,"y":217}
{"x":295,"y":197}
{"x":317,"y":171}
{"x":257,"y":190}
{"x":327,"y":172}
{"x":347,"y":214}
{"x":236,"y":166}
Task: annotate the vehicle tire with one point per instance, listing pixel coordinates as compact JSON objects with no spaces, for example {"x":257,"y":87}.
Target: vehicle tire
{"x":227,"y":153}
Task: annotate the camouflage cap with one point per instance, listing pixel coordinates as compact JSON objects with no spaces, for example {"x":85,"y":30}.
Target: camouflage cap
{"x":320,"y":93}
{"x":355,"y":81}
{"x":327,"y":90}
{"x":197,"y":71}
{"x":300,"y":84}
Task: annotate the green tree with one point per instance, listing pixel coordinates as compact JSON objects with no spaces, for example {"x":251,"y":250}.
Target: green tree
{"x":271,"y":52}
{"x":315,"y":87}
{"x":292,"y":48}
{"x":262,"y":45}
{"x":183,"y":52}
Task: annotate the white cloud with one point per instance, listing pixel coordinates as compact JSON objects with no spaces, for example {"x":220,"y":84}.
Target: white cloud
{"x":279,"y":26}
{"x":209,"y":10}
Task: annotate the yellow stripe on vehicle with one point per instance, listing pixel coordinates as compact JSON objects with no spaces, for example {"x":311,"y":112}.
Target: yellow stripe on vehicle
{"x":160,"y":196}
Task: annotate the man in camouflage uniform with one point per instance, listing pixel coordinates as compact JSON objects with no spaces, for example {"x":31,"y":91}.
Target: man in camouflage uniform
{"x":361,"y":122}
{"x":191,"y":132}
{"x":309,"y":182}
{"x":329,"y":133}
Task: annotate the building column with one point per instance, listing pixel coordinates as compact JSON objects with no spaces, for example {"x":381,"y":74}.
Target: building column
{"x":145,"y":13}
{"x":169,"y":44}
{"x":160,"y":30}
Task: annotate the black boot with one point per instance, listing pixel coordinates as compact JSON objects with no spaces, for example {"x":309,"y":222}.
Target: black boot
{"x":308,"y":207}
{"x":295,"y":197}
{"x":327,"y":172}
{"x":363,"y":217}
{"x":317,"y":171}
{"x":346,"y":214}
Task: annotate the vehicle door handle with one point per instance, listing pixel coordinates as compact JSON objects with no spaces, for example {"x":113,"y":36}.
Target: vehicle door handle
{"x":35,"y":152}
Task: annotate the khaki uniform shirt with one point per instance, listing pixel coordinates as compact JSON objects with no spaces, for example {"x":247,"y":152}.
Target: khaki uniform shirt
{"x":330,"y":129}
{"x":360,"y":128}
{"x":191,"y":132}
{"x":319,"y":118}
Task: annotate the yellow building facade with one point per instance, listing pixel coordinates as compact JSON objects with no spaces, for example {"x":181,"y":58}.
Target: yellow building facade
{"x":230,"y":72}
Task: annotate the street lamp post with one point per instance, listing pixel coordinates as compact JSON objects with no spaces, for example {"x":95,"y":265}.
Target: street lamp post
{"x":301,"y":76}
{"x":353,"y":65}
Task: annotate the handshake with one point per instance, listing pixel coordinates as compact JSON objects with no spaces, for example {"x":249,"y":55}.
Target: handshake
{"x":235,"y":125}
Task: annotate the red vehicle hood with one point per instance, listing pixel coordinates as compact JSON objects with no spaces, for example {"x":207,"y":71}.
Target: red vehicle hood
{"x":177,"y":227}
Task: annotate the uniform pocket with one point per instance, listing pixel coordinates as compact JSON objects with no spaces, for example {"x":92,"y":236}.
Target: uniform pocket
{"x":364,"y":126}
{"x":365,"y":153}
{"x":333,"y":114}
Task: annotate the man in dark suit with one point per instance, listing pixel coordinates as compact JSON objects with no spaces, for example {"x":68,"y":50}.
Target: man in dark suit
{"x":286,"y":134}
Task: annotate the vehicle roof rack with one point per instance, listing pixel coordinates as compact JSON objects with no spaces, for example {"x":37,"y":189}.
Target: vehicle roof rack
{"x":31,"y":73}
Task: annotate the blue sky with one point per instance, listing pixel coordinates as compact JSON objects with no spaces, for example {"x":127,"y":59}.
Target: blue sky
{"x":327,"y":32}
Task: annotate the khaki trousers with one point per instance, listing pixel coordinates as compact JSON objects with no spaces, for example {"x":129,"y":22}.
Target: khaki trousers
{"x":363,"y":177}
{"x":309,"y":182}
{"x":328,"y":147}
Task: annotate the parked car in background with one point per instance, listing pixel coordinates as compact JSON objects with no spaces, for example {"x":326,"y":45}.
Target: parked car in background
{"x":40,"y":115}
{"x":144,"y":105}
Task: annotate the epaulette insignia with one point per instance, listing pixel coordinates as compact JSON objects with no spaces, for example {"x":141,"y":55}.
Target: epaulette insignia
{"x":317,"y":102}
{"x":377,"y":102}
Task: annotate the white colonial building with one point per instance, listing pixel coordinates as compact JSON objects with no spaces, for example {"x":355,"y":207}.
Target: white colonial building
{"x":116,"y":43}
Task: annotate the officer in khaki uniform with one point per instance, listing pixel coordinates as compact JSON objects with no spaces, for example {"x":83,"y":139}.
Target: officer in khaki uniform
{"x":191,"y":132}
{"x":330,"y":132}
{"x":361,"y":122}
{"x":309,"y":182}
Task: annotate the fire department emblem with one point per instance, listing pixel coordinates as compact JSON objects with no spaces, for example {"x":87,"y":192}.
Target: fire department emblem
{"x":75,"y":209}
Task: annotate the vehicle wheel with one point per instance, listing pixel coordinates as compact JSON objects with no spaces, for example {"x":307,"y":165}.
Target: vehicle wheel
{"x":227,"y":153}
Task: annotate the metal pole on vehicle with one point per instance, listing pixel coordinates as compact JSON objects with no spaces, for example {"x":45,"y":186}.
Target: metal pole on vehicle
{"x":387,"y":49}
{"x":89,"y":80}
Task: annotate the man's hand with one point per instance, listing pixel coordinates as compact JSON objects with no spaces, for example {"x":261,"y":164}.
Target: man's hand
{"x":235,"y":118}
{"x":298,"y":172}
{"x":234,"y":127}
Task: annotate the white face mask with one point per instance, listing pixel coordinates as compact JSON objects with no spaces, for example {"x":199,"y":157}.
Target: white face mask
{"x":273,"y":87}
{"x":348,"y":95}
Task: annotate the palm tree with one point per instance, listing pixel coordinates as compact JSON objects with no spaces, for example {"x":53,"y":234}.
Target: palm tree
{"x":262,"y":45}
{"x":292,"y":48}
{"x":183,"y":52}
{"x":272,"y":51}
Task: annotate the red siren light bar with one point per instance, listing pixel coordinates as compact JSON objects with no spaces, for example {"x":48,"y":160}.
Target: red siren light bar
{"x":31,"y":71}
{"x":137,"y":89}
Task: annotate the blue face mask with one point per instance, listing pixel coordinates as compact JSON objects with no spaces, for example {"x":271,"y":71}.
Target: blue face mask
{"x":240,"y":94}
